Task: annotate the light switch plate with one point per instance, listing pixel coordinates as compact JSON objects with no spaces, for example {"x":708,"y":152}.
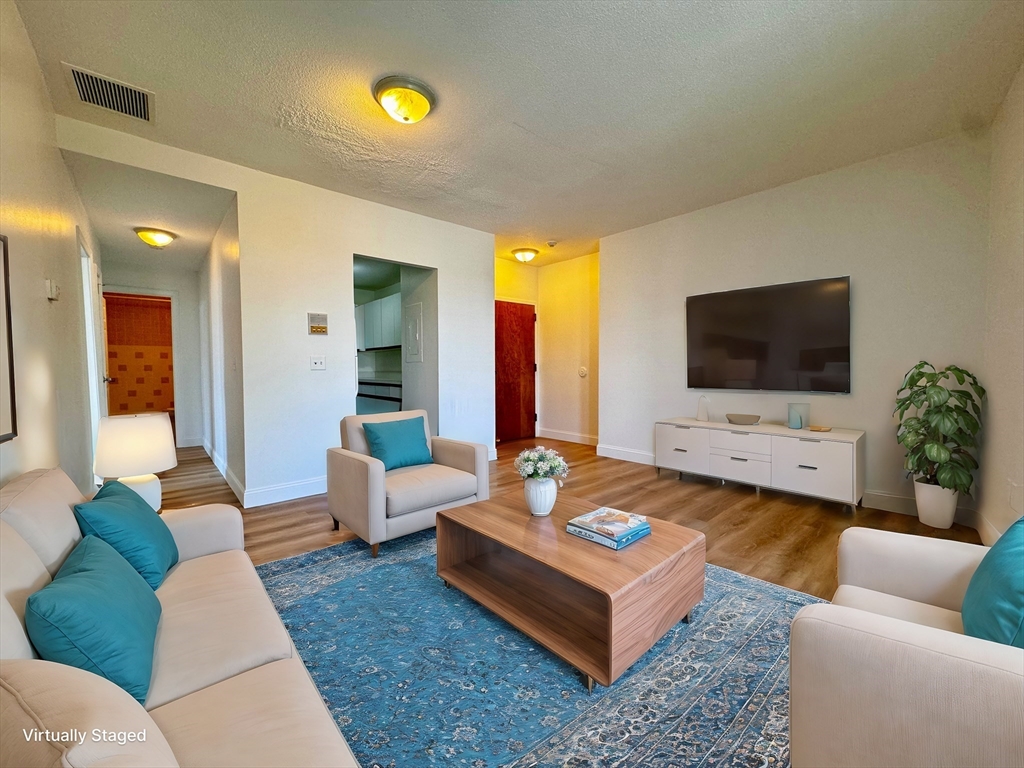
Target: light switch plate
{"x":318,"y":362}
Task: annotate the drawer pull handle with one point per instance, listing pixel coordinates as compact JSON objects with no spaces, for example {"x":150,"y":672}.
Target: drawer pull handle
{"x":809,"y":440}
{"x":805,"y":466}
{"x":681,"y":426}
{"x":680,"y":450}
{"x":733,"y":431}
{"x":736,"y":458}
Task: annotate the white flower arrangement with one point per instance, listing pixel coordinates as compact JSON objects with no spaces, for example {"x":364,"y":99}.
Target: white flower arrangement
{"x":539,"y":463}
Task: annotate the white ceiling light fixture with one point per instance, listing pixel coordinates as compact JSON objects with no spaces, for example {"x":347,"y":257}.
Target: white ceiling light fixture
{"x":405,"y":99}
{"x":525,"y":254}
{"x":155,"y":238}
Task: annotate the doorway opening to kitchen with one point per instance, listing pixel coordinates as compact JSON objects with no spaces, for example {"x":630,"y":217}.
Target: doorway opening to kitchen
{"x":396,"y":337}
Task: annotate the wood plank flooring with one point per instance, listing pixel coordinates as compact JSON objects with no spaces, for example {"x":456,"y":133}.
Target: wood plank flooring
{"x":781,"y":538}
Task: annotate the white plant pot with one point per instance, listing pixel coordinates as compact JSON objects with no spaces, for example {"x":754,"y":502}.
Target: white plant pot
{"x":936,"y":505}
{"x":540,"y":495}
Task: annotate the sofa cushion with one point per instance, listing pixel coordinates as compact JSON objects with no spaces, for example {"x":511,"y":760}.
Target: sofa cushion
{"x":99,"y":615}
{"x":21,"y":574}
{"x":124,"y":520}
{"x":994,"y":602}
{"x":353,"y":434}
{"x":217,"y":622}
{"x":38,"y":506}
{"x":270,"y":716}
{"x":412,"y":488}
{"x":40,"y":695}
{"x":400,"y":443}
{"x":898,"y":608}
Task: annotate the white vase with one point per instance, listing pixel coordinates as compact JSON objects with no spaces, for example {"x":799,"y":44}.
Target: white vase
{"x":540,"y":495}
{"x":936,"y":505}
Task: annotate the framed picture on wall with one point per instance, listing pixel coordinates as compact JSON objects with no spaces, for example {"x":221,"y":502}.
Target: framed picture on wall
{"x":8,"y":402}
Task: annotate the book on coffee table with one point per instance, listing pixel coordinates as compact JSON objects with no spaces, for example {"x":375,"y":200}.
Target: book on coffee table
{"x":612,"y":528}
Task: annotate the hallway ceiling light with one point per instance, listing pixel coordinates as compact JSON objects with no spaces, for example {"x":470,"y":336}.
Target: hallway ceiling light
{"x":405,"y":99}
{"x":155,"y":238}
{"x":525,"y":254}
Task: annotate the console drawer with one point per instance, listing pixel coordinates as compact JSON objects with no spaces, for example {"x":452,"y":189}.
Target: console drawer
{"x":738,"y":440}
{"x":741,"y":469}
{"x":813,"y":467}
{"x":681,"y":448}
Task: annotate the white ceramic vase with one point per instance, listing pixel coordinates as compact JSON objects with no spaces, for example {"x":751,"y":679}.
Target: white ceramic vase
{"x":540,"y":495}
{"x":936,"y":505}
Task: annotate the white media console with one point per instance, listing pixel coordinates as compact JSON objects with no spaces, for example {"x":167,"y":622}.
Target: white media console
{"x":826,"y":465}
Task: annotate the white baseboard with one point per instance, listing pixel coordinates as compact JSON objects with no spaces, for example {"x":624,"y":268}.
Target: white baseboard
{"x":492,"y":454}
{"x":236,"y":485}
{"x":569,"y":437}
{"x":906,"y":505}
{"x":626,"y":454}
{"x":190,"y":442}
{"x":218,"y":462}
{"x":271,"y":494}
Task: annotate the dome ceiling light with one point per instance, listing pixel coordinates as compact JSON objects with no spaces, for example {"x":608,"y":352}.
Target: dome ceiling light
{"x":155,"y":238}
{"x":525,"y":254}
{"x":405,"y":99}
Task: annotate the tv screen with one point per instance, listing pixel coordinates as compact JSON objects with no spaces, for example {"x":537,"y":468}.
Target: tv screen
{"x":790,"y":338}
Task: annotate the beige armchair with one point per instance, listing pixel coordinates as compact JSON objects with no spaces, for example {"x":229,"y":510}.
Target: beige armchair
{"x":884,"y":676}
{"x":379,"y":506}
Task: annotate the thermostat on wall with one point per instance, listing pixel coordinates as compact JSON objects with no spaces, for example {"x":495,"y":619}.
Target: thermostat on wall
{"x":317,"y":323}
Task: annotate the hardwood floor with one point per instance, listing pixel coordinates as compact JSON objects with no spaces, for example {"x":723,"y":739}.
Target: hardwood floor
{"x":782,"y":538}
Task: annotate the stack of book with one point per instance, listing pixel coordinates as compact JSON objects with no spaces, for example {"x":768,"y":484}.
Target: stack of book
{"x":609,"y":527}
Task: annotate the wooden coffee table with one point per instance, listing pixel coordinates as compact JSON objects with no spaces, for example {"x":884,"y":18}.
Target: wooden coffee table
{"x":596,"y":608}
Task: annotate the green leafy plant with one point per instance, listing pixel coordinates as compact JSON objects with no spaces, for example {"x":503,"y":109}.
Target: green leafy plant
{"x":941,"y":434}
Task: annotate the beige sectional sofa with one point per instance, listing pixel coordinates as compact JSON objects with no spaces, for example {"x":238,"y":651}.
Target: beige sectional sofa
{"x":228,"y":687}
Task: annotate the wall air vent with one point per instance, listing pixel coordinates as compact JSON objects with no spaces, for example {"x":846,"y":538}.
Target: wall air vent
{"x":109,"y":94}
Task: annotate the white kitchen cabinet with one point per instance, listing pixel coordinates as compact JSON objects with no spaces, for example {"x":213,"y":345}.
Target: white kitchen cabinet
{"x":826,"y":465}
{"x":360,"y":328}
{"x":373,"y":324}
{"x":391,"y":320}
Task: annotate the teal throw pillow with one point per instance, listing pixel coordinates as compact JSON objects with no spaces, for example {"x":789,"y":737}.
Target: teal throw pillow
{"x":99,"y":615}
{"x":124,"y":520}
{"x":993,"y":606}
{"x":400,"y":443}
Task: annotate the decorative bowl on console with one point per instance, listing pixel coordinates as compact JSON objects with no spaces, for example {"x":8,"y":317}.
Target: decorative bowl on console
{"x":746,"y":419}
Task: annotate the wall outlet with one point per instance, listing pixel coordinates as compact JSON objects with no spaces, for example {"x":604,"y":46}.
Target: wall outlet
{"x":318,"y":362}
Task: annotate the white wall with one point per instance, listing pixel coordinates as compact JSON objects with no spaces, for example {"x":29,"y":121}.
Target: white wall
{"x":221,"y":353}
{"x":1002,"y":465}
{"x":909,"y":228}
{"x":420,"y":378}
{"x":39,"y":212}
{"x":296,"y":243}
{"x":567,"y":340}
{"x":183,"y":288}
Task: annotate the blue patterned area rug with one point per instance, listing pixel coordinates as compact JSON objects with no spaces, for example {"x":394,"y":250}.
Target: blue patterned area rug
{"x":419,"y":675}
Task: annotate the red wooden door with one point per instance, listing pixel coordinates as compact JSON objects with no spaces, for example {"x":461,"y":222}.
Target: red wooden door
{"x":514,"y":370}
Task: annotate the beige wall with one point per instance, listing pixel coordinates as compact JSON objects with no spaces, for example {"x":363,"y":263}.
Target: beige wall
{"x":910,"y":228}
{"x":39,"y":212}
{"x":221,"y":350}
{"x":1002,"y":465}
{"x":515,"y":282}
{"x":296,"y":244}
{"x":567,"y":340}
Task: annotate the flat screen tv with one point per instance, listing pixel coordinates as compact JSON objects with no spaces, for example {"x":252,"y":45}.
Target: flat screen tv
{"x":787,"y":338}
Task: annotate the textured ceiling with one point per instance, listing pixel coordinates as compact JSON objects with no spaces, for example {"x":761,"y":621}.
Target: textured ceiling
{"x":119,"y":198}
{"x":558,"y":120}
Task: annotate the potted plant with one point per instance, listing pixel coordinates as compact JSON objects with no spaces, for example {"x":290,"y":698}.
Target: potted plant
{"x":940,"y":436}
{"x":540,"y":467}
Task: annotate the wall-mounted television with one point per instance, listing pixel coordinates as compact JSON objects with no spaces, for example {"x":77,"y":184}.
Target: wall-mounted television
{"x":793,"y":337}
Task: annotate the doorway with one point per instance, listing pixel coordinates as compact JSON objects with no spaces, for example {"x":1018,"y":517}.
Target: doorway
{"x":140,"y":354}
{"x":515,"y":370}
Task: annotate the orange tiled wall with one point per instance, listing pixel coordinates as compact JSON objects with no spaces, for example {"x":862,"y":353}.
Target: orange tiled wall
{"x":144,"y":378}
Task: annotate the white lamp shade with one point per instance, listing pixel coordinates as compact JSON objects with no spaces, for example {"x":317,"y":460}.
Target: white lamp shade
{"x":134,"y":445}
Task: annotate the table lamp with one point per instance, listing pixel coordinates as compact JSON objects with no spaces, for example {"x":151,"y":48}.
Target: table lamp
{"x":132,"y":448}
